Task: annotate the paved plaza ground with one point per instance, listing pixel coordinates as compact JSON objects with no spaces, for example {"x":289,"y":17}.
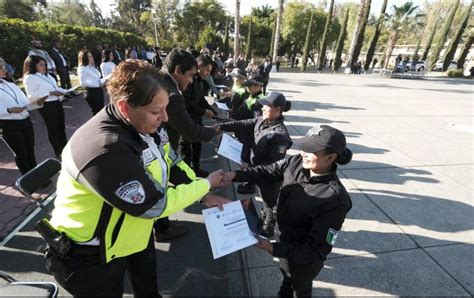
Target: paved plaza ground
{"x":410,"y":231}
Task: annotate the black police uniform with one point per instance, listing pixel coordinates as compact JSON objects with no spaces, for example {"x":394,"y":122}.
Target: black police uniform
{"x":310,"y":211}
{"x":269,"y":144}
{"x":196,"y":105}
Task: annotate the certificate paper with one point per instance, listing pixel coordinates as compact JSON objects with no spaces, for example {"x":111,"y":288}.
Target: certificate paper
{"x":72,"y":89}
{"x":222,"y":106}
{"x":228,"y":230}
{"x":230,"y":148}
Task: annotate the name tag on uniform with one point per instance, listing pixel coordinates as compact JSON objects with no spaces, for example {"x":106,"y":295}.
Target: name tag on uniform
{"x":147,"y":156}
{"x":331,"y":237}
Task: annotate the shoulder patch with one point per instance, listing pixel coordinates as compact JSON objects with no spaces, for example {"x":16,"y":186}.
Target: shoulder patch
{"x":281,"y":149}
{"x":131,"y":192}
{"x":331,"y":237}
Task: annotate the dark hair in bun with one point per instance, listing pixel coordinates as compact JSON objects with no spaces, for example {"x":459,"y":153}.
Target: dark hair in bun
{"x":287,"y":106}
{"x":345,"y":157}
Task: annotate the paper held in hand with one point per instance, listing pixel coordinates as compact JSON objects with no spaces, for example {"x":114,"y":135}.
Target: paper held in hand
{"x":222,"y":106}
{"x":228,"y":230}
{"x":72,"y":89}
{"x":230,"y":148}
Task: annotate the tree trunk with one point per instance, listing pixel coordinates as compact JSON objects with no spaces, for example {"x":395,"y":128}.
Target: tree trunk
{"x":355,"y":37}
{"x":392,"y":41}
{"x":417,"y":47}
{"x":237,"y":30}
{"x":272,"y":40}
{"x":340,"y":42}
{"x":443,"y":36}
{"x":226,"y":38}
{"x":453,"y":45}
{"x":375,"y":39}
{"x":322,"y":51}
{"x":249,"y":41}
{"x":304,"y":59}
{"x":276,"y":44}
{"x":360,"y":38}
{"x":430,"y":41}
{"x":465,"y":50}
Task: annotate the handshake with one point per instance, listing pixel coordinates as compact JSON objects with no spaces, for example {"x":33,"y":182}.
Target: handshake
{"x":220,"y":179}
{"x":217,"y":179}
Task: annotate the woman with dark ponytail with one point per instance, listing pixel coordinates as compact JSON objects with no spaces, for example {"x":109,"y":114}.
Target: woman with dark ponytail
{"x":268,"y":140}
{"x":312,"y":206}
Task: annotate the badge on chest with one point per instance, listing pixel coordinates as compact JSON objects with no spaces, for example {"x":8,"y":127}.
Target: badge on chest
{"x":147,"y":156}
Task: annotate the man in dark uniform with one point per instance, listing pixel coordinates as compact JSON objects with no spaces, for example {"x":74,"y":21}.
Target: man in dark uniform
{"x":312,"y":206}
{"x":179,"y":69}
{"x":264,"y":70}
{"x":61,"y":65}
{"x":197,"y":106}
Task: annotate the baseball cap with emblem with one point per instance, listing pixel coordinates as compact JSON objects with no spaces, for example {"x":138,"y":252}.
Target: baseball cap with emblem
{"x":255,"y":80}
{"x":240,"y":73}
{"x":325,"y":137}
{"x":275,"y":99}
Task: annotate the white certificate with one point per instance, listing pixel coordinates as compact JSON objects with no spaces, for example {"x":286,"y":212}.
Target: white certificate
{"x":222,"y":106}
{"x":228,"y":230}
{"x":231,"y":149}
{"x":72,"y":89}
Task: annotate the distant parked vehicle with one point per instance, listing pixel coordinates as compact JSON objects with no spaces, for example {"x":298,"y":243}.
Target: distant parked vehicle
{"x":420,"y":66}
{"x":439,"y":66}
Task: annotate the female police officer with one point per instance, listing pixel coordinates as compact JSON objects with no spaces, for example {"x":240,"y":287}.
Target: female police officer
{"x":312,"y":206}
{"x":115,"y":181}
{"x":270,"y":140}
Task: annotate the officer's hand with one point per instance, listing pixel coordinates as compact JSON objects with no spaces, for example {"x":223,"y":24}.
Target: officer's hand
{"x":227,"y":179}
{"x":217,"y":129}
{"x":263,"y":244}
{"x":55,"y":93}
{"x":209,"y":114}
{"x":213,"y":200}
{"x":215,"y":178}
{"x":16,"y":110}
{"x":40,"y":101}
{"x":244,"y":165}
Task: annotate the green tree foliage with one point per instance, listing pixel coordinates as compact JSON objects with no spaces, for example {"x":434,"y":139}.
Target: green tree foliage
{"x":295,"y":25}
{"x":443,"y":35}
{"x":248,"y":54}
{"x":429,"y":41}
{"x":97,"y":20}
{"x":208,"y":36}
{"x":465,"y":50}
{"x":340,"y":42}
{"x":71,"y":13}
{"x":322,"y":51}
{"x":456,"y":37}
{"x":15,"y":9}
{"x":261,"y":33}
{"x":226,"y":37}
{"x":20,"y":33}
{"x":304,"y":59}
{"x":375,"y":38}
{"x":194,"y":17}
{"x":129,"y":14}
{"x":401,"y":20}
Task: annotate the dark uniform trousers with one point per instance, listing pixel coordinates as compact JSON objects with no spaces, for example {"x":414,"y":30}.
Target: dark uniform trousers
{"x":53,"y":116}
{"x":64,"y":77}
{"x":95,"y":99}
{"x":84,"y":275}
{"x":298,"y":278}
{"x":20,"y":137}
{"x":191,"y":151}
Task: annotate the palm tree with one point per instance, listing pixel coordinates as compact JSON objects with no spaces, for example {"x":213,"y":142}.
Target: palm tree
{"x":401,"y":19}
{"x":340,"y":42}
{"x":465,"y":50}
{"x":426,"y":50}
{"x":276,"y":44}
{"x":322,"y":52}
{"x":304,"y":59}
{"x":355,"y":37}
{"x":237,"y":30}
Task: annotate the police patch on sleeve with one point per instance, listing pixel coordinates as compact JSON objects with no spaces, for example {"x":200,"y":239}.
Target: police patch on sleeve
{"x":282,"y":149}
{"x":331,"y":237}
{"x":132,"y":192}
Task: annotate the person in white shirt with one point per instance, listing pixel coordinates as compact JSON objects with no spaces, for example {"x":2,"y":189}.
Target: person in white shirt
{"x":38,"y":83}
{"x":89,"y":78}
{"x":17,"y":129}
{"x":107,"y":65}
{"x":37,"y":50}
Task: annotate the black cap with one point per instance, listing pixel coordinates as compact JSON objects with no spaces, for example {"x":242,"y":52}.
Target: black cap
{"x":240,"y":73}
{"x":255,"y":80}
{"x":275,"y":99}
{"x":322,"y":137}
